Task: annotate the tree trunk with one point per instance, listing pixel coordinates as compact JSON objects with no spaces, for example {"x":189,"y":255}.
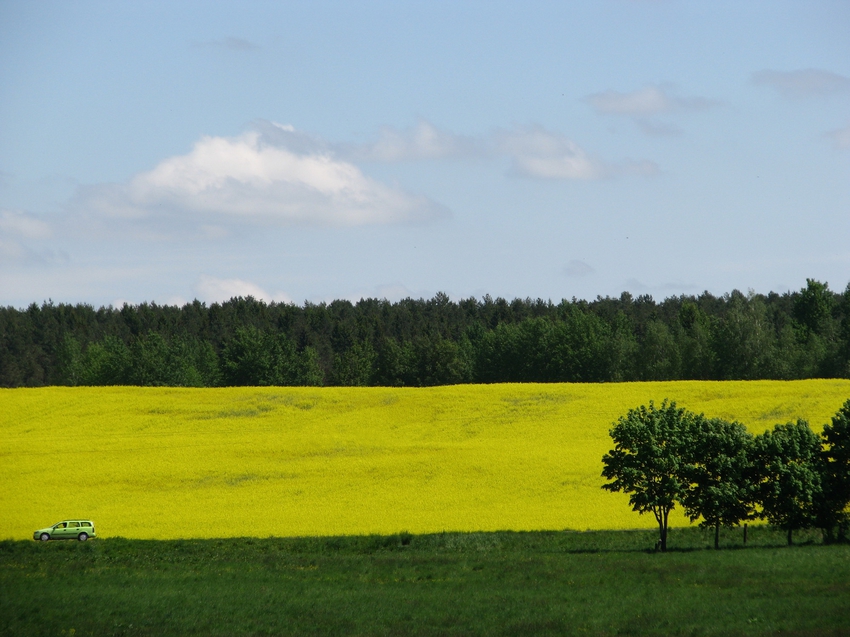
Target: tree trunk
{"x":745,"y":533}
{"x":828,"y":535}
{"x":664,"y":531}
{"x":716,"y":535}
{"x":790,"y":539}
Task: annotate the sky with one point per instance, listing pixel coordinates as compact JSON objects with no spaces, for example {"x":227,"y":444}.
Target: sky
{"x":310,"y":151}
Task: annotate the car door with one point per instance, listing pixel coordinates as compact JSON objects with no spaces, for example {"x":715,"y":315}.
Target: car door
{"x":60,"y":531}
{"x":73,"y":529}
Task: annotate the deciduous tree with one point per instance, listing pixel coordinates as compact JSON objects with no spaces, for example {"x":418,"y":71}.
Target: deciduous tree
{"x":835,"y":475}
{"x":788,"y":481}
{"x":646,"y":460}
{"x":716,"y":474}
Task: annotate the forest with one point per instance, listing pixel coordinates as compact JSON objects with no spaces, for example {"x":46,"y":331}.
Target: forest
{"x":424,"y":342}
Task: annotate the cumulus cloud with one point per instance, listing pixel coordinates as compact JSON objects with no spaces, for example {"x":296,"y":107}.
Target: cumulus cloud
{"x":650,"y":100}
{"x":538,"y":153}
{"x":840,"y":137}
{"x":214,"y":290}
{"x":271,"y":174}
{"x":802,"y":82}
{"x":422,"y":141}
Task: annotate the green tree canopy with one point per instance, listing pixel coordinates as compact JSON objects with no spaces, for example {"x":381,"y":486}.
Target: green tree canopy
{"x":646,"y":461}
{"x":716,"y":473}
{"x":835,"y":473}
{"x":788,"y":481}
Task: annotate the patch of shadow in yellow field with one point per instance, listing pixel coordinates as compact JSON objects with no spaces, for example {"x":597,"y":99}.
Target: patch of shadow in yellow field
{"x":172,"y":463}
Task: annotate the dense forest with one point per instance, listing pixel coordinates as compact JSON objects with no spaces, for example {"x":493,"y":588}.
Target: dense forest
{"x":803,"y":334}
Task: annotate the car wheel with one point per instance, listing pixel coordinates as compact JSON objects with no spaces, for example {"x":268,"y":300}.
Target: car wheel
{"x":44,"y":537}
{"x":82,"y":537}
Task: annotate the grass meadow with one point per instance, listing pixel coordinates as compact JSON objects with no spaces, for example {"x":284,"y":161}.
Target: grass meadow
{"x":169,"y":463}
{"x":597,"y":583}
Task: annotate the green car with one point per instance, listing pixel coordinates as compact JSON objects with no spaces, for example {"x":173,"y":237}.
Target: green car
{"x":67,"y":530}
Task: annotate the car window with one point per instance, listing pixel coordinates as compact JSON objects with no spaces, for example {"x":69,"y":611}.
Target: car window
{"x":74,"y":525}
{"x":61,"y":525}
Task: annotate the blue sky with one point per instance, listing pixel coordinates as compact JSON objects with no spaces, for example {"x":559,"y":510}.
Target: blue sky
{"x":296,"y":151}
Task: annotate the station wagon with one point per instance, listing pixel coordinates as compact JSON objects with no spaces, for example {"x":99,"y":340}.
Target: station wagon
{"x":67,"y":530}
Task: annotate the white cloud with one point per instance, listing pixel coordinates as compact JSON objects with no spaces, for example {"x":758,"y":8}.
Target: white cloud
{"x":422,"y":141}
{"x":536,"y":152}
{"x":840,"y":137}
{"x":214,"y":290}
{"x":269,"y":175}
{"x":802,"y":82}
{"x":23,"y":225}
{"x":650,"y":100}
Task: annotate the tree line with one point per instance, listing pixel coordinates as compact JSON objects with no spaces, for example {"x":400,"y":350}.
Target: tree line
{"x":244,"y":341}
{"x":722,"y":475}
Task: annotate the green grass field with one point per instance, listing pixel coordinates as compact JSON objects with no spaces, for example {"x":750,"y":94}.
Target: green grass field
{"x":504,"y":583}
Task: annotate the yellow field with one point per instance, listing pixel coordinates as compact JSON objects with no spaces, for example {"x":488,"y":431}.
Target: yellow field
{"x":170,"y":463}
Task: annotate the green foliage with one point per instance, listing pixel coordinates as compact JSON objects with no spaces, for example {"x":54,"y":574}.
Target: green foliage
{"x":659,"y":357}
{"x":744,"y":340}
{"x":254,"y":357}
{"x":813,"y":306}
{"x":69,"y":361}
{"x":437,"y":341}
{"x":647,"y":459}
{"x":787,"y":477}
{"x":835,"y":473}
{"x":716,"y":471}
{"x":722,"y":475}
{"x":356,"y":366}
{"x":107,"y":362}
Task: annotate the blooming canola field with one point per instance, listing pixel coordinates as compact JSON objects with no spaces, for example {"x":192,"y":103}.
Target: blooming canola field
{"x":283,"y":461}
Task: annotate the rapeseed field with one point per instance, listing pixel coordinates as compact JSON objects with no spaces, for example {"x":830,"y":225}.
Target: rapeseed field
{"x":179,"y":463}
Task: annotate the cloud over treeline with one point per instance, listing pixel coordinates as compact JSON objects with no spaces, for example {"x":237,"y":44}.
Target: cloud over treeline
{"x":273,"y":174}
{"x":270,"y":174}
